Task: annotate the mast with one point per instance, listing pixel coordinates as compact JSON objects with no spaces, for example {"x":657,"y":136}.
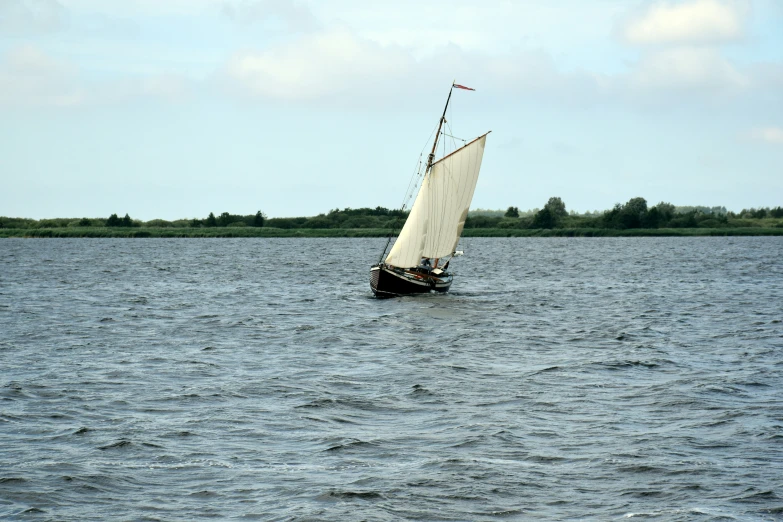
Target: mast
{"x":430,"y":160}
{"x":431,"y":157}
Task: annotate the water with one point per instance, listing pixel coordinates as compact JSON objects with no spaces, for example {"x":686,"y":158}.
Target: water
{"x":590,"y":379}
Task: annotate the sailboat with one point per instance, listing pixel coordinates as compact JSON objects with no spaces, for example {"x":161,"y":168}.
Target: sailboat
{"x":418,"y":261}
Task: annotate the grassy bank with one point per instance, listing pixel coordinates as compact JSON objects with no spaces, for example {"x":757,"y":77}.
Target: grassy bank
{"x":375,"y":232}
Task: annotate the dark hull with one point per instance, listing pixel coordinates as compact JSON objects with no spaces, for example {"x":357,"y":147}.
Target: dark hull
{"x":386,"y":281}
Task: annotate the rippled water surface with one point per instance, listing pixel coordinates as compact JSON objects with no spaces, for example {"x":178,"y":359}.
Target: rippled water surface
{"x":594,"y":379}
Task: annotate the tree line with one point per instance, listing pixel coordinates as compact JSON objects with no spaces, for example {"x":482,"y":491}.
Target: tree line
{"x":231,"y":220}
{"x":634,"y":214}
{"x":114,"y":221}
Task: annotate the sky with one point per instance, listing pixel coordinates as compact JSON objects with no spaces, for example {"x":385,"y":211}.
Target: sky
{"x":293,"y":107}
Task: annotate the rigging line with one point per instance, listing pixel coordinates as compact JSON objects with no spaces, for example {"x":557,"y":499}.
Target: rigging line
{"x":417,"y":171}
{"x":412,"y":184}
{"x":451,"y":130}
{"x":451,"y":115}
{"x":455,"y":138}
{"x":430,"y":157}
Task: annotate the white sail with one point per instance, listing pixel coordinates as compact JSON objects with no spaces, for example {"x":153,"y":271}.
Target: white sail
{"x":438,"y":215}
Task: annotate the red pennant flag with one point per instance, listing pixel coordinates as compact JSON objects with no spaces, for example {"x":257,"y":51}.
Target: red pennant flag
{"x":458,"y":86}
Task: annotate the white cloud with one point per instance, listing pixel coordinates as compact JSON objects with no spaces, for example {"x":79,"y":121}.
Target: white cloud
{"x":167,"y":86}
{"x":295,"y":15}
{"x":348,"y":64}
{"x":692,"y":22}
{"x":323,"y":64}
{"x":702,"y":70}
{"x":31,"y":16}
{"x":322,"y":58}
{"x":769,"y":76}
{"x":772,"y":135}
{"x":492,"y":26}
{"x":31,"y":77}
{"x":145,"y":7}
{"x":340,"y":63}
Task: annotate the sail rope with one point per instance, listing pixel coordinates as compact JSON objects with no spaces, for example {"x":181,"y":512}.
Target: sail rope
{"x":413,"y":184}
{"x":417,"y":173}
{"x":422,"y":171}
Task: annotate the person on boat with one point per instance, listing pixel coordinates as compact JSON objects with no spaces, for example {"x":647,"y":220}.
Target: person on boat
{"x":425,"y":262}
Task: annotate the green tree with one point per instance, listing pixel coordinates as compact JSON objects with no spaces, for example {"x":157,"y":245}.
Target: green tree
{"x":211,"y":221}
{"x":127,"y":221}
{"x":258,"y":219}
{"x":320,"y":221}
{"x":551,"y":215}
{"x":85,"y":222}
{"x":658,"y":216}
{"x":557,"y":208}
{"x":512,"y":212}
{"x":687,"y":220}
{"x":631,"y":215}
{"x":634,"y":212}
{"x":544,"y":219}
{"x":482,"y":222}
{"x":113,"y":221}
{"x":224,"y":219}
{"x":666,"y":210}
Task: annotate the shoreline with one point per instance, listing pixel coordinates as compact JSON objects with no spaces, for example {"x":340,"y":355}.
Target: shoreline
{"x":248,"y":232}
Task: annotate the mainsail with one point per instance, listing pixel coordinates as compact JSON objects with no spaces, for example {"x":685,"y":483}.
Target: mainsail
{"x":438,"y":215}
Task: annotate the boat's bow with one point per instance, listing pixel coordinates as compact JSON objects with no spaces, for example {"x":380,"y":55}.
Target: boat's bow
{"x":390,"y":281}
